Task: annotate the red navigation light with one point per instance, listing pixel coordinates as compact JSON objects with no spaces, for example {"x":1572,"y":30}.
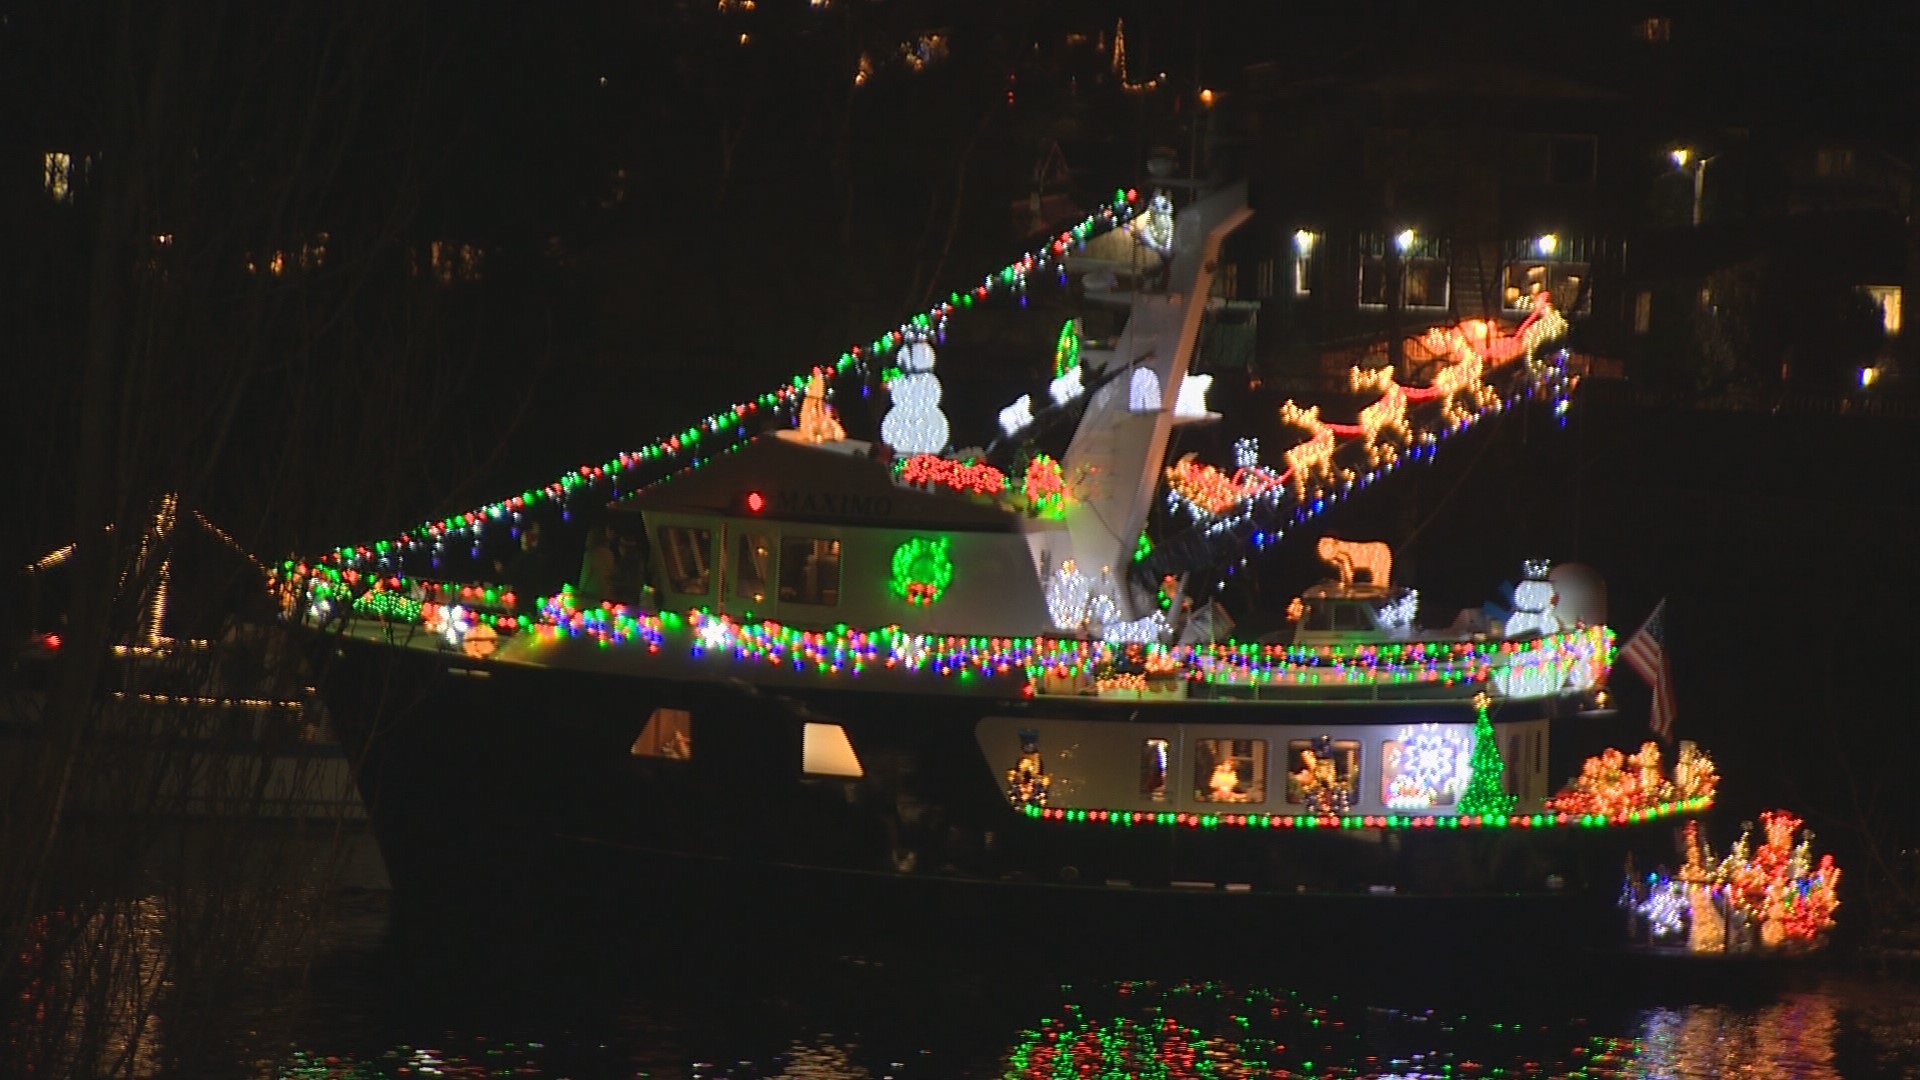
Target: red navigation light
{"x":52,"y":641}
{"x":756,"y":502}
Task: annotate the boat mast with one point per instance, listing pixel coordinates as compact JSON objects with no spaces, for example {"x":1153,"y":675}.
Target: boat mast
{"x":1113,"y":464}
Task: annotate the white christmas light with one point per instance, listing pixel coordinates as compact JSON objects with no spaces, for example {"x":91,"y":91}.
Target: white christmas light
{"x":1145,"y":631}
{"x":1068,"y":591}
{"x":1192,"y":399}
{"x":1067,"y":387}
{"x":1143,"y":393}
{"x":1018,"y":416}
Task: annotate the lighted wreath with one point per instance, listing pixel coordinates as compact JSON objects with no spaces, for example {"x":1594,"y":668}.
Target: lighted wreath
{"x":921,"y":570}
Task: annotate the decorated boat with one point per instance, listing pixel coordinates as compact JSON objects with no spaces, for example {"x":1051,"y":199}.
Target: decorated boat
{"x":870,"y":656}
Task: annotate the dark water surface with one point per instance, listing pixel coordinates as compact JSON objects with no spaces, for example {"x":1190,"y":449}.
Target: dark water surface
{"x":557,"y":993}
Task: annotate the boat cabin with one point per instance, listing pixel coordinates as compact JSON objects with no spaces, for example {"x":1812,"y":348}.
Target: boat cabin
{"x":1334,"y":614}
{"x":818,"y":534}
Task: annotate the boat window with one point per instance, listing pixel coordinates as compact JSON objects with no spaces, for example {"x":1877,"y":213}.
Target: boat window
{"x":809,"y":570}
{"x":668,"y":734}
{"x":1428,"y":768}
{"x":687,"y":553}
{"x":825,"y":750}
{"x":1318,"y":617}
{"x":753,"y":566}
{"x":1153,"y":769}
{"x":1230,"y":770}
{"x":1307,"y":766}
{"x":1351,"y":617}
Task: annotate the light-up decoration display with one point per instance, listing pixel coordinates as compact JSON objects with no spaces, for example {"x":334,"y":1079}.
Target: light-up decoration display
{"x":1065,"y":388}
{"x":1066,"y":349}
{"x":1156,"y":230}
{"x":1313,"y":459}
{"x":921,"y":570}
{"x":1425,"y":767}
{"x":1388,"y":415}
{"x":1127,"y":818}
{"x":1018,"y":416}
{"x":1349,"y":557}
{"x":1205,"y":490}
{"x":1027,"y":781}
{"x":1191,"y":402}
{"x":968,"y":477}
{"x":1325,"y":789}
{"x":1143,"y":391}
{"x":1486,"y":792}
{"x":1046,"y":486}
{"x":817,"y":422}
{"x":1770,"y":897}
{"x":1437,"y":665}
{"x":1533,"y":601}
{"x":1613,"y":782}
{"x":916,"y":424}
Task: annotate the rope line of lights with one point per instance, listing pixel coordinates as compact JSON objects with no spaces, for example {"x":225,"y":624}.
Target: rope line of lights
{"x":693,"y":445}
{"x":1412,"y":822}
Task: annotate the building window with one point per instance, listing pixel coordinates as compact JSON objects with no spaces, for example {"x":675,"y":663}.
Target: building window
{"x":753,"y":566}
{"x":668,"y":734}
{"x":1305,"y":760}
{"x":1643,"y":312}
{"x":1230,"y":770}
{"x":688,"y":555}
{"x":1549,"y":264}
{"x":809,"y":571}
{"x":1887,"y":299}
{"x":58,"y":165}
{"x":1834,"y":162}
{"x":1425,"y":276}
{"x":1154,"y":760}
{"x":1226,"y":282}
{"x":1303,"y":245}
{"x":1655,"y":30}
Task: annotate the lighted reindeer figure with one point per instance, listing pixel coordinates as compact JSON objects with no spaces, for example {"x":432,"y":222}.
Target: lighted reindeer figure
{"x":1388,"y":414}
{"x":1314,"y":457}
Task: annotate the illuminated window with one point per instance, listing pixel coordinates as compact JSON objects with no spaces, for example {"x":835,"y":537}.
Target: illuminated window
{"x":58,"y":166}
{"x":1425,"y":276}
{"x":825,"y":750}
{"x":753,"y":566}
{"x":1230,"y":770}
{"x":1654,"y":29}
{"x":809,"y":571}
{"x":1887,"y":299}
{"x":687,"y":553}
{"x":1303,"y":245}
{"x":668,"y":734}
{"x":1345,"y":760}
{"x":1552,"y":264}
{"x":1642,"y":312}
{"x":1154,"y":759}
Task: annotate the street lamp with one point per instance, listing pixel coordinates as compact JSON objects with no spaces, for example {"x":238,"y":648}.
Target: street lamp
{"x":1681,"y":157}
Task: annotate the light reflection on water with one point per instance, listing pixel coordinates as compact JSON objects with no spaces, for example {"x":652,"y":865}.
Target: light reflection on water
{"x":874,"y":1020}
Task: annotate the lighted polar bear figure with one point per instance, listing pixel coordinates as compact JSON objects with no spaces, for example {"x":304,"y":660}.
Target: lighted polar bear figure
{"x":1348,"y":557}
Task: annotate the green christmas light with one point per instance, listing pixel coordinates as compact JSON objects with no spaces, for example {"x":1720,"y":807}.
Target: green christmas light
{"x":1485,"y":794}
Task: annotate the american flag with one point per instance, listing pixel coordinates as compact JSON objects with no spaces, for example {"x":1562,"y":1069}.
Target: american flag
{"x":1646,"y":653}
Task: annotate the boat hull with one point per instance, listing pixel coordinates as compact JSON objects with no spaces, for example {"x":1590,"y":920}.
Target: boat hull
{"x":485,"y":779}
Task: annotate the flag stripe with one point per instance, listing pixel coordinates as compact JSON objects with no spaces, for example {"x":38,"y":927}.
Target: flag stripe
{"x":1646,"y":654}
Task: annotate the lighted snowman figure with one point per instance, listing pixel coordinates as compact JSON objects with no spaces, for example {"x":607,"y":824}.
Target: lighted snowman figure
{"x":1533,"y":603}
{"x":915,"y":424}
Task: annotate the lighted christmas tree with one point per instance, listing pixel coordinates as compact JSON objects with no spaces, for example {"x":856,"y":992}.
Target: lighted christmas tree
{"x":1485,"y":794}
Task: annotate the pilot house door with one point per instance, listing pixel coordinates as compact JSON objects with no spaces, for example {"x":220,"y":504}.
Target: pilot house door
{"x":749,"y":570}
